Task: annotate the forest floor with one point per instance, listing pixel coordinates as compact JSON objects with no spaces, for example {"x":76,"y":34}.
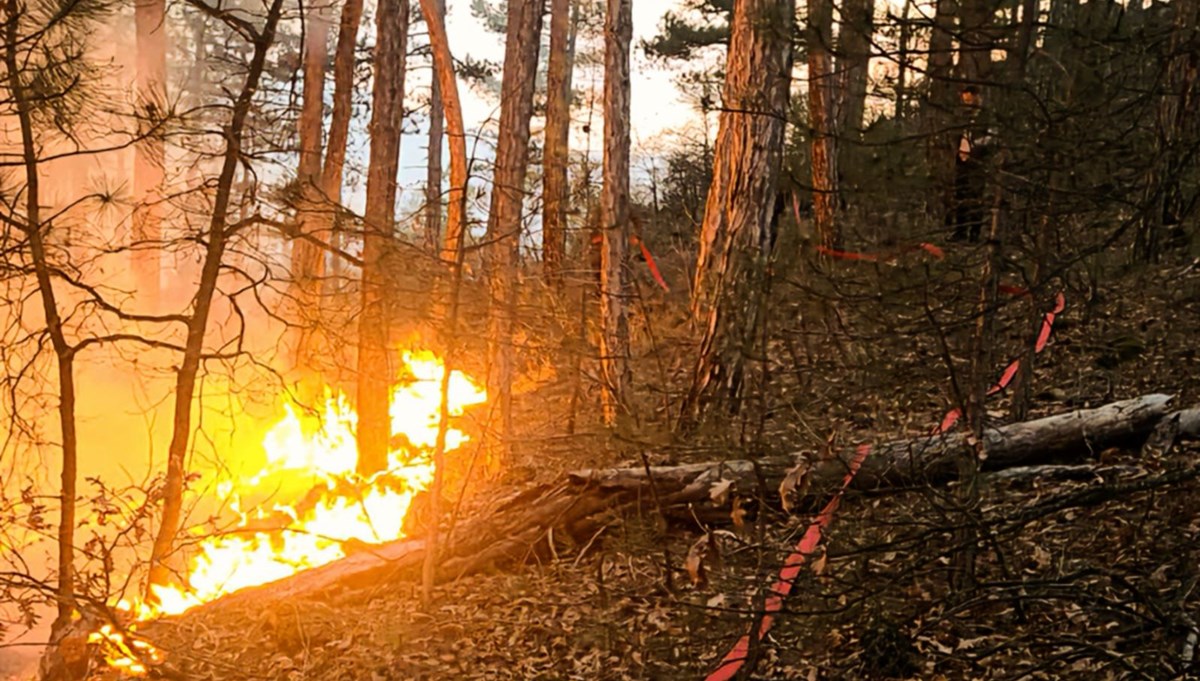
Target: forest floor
{"x":1094,"y":587}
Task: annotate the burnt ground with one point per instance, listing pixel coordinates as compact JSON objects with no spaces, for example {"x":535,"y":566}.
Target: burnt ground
{"x":1089,"y":578}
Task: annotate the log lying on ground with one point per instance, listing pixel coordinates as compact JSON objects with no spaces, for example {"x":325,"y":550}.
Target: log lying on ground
{"x":575,"y":509}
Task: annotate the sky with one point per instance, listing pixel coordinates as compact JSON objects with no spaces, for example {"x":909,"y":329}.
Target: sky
{"x":658,"y":108}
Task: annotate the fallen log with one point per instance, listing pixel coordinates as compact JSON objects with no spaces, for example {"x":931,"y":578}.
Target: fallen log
{"x":573,"y":509}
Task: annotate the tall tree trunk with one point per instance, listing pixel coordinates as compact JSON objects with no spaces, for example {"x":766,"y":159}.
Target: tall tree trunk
{"x":307,"y":257}
{"x":614,"y":211}
{"x":936,"y":110}
{"x":387,"y":114}
{"x":555,"y":192}
{"x":739,"y":211}
{"x":433,"y":170}
{"x":522,"y":40}
{"x":854,"y":59}
{"x":1176,"y":130}
{"x":339,"y":123}
{"x":821,"y":85}
{"x":25,"y":103}
{"x":216,"y":238}
{"x":1026,"y":31}
{"x":902,"y":57}
{"x":443,"y":64}
{"x":976,"y":41}
{"x":149,"y":156}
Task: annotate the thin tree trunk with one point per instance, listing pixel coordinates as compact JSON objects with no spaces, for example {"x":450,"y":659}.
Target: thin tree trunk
{"x":216,"y":238}
{"x":976,"y":41}
{"x":443,"y":64}
{"x":942,"y":143}
{"x":387,"y":115}
{"x":64,"y":353}
{"x":149,"y":154}
{"x":555,"y":192}
{"x":741,"y":197}
{"x":902,"y":58}
{"x":854,"y":58}
{"x":1177,"y":109}
{"x":307,"y":257}
{"x":433,"y":170}
{"x":1025,"y":35}
{"x":821,"y":85}
{"x":429,"y":569}
{"x":614,"y":211}
{"x":339,"y":124}
{"x":522,"y":40}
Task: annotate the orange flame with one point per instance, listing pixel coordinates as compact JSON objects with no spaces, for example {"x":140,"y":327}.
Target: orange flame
{"x":315,"y":464}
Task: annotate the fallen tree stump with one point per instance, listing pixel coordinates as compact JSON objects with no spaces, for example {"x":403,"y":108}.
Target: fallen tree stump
{"x":574,"y":509}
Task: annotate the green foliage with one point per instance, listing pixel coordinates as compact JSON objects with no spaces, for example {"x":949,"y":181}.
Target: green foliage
{"x":700,"y":24}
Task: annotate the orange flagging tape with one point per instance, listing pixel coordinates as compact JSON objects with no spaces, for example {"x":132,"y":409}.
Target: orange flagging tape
{"x":650,"y":263}
{"x":653,"y":266}
{"x":885,"y":258}
{"x":736,"y":658}
{"x":1010,"y":372}
{"x":733,"y":661}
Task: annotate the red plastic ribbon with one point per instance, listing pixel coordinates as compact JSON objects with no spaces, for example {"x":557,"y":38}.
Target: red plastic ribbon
{"x":1010,"y":372}
{"x":653,"y":266}
{"x":733,"y":661}
{"x":886,"y":257}
{"x":736,"y":658}
{"x":925,"y":246}
{"x":650,"y":263}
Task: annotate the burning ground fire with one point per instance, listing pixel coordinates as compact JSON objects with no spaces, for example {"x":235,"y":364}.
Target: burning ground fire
{"x":312,"y":462}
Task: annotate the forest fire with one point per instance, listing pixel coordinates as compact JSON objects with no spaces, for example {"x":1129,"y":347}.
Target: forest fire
{"x":317,"y":503}
{"x":317,"y":461}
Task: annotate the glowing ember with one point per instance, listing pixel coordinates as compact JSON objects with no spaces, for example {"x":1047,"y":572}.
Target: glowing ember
{"x":314,"y":463}
{"x":124,"y":652}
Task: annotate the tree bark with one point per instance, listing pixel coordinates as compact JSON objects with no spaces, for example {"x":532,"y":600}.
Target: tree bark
{"x":976,"y":41}
{"x":736,"y":232}
{"x":555,"y":189}
{"x":433,"y":172}
{"x":935,"y":113}
{"x":149,"y":155}
{"x":216,"y":237}
{"x":307,"y":258}
{"x":614,"y":212}
{"x":902,"y":57}
{"x":1175,"y":128}
{"x":443,"y":64}
{"x":854,"y":60}
{"x":387,"y":114}
{"x":581,"y":504}
{"x":522,"y":40}
{"x":821,"y":122}
{"x":339,"y":123}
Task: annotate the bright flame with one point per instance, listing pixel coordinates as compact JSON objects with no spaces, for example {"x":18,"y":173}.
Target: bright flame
{"x":331,"y":503}
{"x":124,"y":653}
